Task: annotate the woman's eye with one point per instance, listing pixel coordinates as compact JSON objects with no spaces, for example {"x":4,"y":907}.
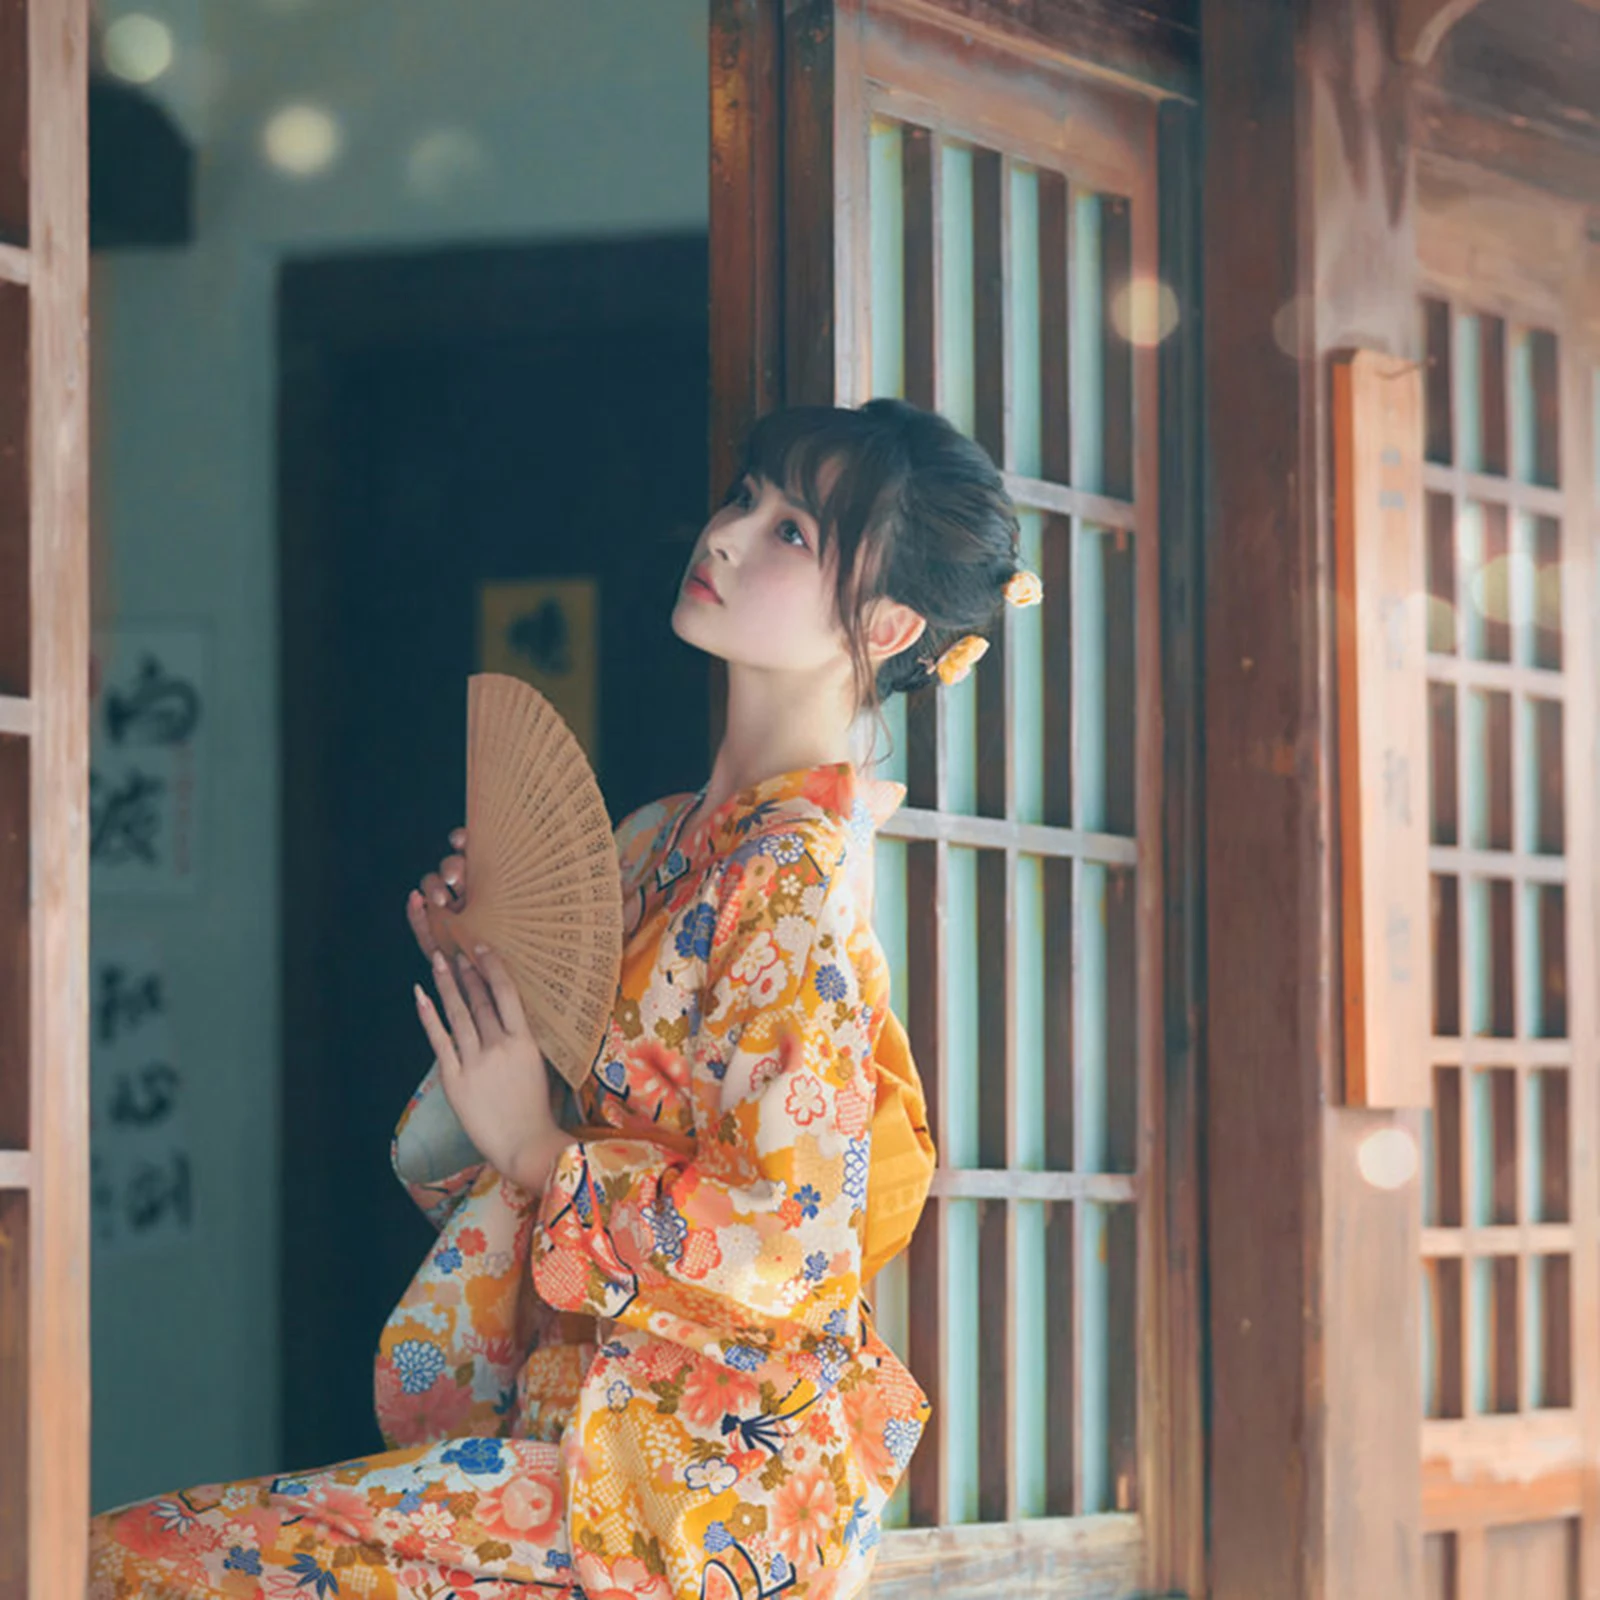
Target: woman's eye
{"x":739,"y":495}
{"x":787,"y":528}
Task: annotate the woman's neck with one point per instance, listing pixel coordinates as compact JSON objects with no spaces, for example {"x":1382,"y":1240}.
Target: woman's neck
{"x":777,"y":723}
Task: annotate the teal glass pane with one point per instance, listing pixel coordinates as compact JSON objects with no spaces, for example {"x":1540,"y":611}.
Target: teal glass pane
{"x":1480,"y":1338}
{"x":1087,"y":320}
{"x":961,"y":1009}
{"x":1467,"y":361}
{"x":1094,"y":1356}
{"x":1029,"y":1023}
{"x":1480,"y":1134}
{"x":961,"y":741}
{"x":1530,"y":955}
{"x":1524,"y":408}
{"x":886,"y":198}
{"x":1089,"y":676}
{"x":889,"y":914}
{"x":1533,"y":1307}
{"x":1430,"y":1168}
{"x":1471,"y":555}
{"x":957,"y":330}
{"x":1026,"y":644}
{"x":1090,"y":1020}
{"x":1429,"y":1331}
{"x":1031,"y":1362}
{"x":1533,"y":1145}
{"x":1475,"y":749}
{"x":961,"y":1359}
{"x":1027,"y":396}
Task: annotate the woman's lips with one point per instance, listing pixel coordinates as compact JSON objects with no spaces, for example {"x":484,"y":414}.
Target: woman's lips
{"x":700,"y":584}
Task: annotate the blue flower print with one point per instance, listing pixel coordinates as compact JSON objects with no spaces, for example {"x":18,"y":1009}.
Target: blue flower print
{"x":743,"y":1357}
{"x":420,"y":1364}
{"x":670,"y":1230}
{"x":290,"y":1486}
{"x":448,"y":1259}
{"x":717,"y":1069}
{"x":410,"y":1501}
{"x":319,"y":1580}
{"x":559,"y":1559}
{"x":780,"y":1569}
{"x":900,"y":1438}
{"x":855,"y":1171}
{"x":782,"y":847}
{"x":477,"y":1457}
{"x":838,"y":1322}
{"x":243,"y":1559}
{"x":694,"y":937}
{"x":618,"y":1394}
{"x":718,"y":1538}
{"x":809,"y":1199}
{"x":613,"y":1074}
{"x":830,"y":983}
{"x":816,"y":1266}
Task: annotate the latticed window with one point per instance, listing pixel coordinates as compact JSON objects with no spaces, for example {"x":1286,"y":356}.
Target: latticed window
{"x":1510,"y":1234}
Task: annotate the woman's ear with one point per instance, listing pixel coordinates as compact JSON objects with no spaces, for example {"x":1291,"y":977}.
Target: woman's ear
{"x":891,"y":628}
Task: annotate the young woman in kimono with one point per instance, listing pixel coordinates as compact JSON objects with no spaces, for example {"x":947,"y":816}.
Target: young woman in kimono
{"x":637,"y":1364}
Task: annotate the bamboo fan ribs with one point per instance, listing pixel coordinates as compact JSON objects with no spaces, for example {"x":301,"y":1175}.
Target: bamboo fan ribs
{"x":543,"y":886}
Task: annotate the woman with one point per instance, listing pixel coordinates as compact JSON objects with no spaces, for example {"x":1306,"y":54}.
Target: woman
{"x":637,"y":1362}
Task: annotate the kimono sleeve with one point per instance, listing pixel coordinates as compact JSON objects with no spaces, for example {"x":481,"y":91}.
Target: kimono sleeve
{"x":750,"y":1247}
{"x":431,"y":1152}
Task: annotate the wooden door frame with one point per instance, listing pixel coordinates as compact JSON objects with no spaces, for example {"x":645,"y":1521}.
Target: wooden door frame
{"x":782,"y":335}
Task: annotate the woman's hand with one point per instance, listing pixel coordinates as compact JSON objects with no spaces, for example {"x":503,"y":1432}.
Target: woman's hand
{"x":492,"y":1069}
{"x":445,"y":889}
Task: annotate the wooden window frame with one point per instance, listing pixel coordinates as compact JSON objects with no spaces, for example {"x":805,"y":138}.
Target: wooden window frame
{"x":44,"y":811}
{"x":790,"y":283}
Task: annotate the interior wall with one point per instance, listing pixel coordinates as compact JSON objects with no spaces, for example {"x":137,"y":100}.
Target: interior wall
{"x":501,"y":119}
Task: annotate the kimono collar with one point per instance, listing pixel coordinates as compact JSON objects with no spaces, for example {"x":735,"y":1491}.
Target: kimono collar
{"x":835,"y":789}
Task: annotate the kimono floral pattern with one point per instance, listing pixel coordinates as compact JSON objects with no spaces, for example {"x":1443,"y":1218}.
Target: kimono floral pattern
{"x":658,"y":1379}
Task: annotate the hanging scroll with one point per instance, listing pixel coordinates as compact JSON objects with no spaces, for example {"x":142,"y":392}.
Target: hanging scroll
{"x":1383,"y":730}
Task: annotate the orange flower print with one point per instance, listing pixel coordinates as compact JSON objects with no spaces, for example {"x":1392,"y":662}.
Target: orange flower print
{"x":471,"y":1242}
{"x":852,"y":1111}
{"x":627,"y":1579}
{"x":700,"y":1255}
{"x":805,"y":1101}
{"x":803,"y":1513}
{"x":866,"y":1415}
{"x":526,"y":1507}
{"x":713,"y":1390}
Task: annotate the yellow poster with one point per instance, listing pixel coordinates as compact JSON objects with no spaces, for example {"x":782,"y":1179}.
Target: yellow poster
{"x":544,"y":632}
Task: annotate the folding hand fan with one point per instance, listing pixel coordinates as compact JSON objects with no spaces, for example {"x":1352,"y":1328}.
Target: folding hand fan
{"x":543,"y":884}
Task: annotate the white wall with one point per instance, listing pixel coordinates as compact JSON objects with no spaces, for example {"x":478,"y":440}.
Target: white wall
{"x":534,"y":118}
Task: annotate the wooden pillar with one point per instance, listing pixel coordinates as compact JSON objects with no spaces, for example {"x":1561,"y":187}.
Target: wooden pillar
{"x":1307,"y":248}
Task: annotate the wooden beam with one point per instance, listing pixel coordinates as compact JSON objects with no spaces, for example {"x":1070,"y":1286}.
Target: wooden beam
{"x":16,"y":1169}
{"x":1420,"y":25}
{"x":1314,"y":1449}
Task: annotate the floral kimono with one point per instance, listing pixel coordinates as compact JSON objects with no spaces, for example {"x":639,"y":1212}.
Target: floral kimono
{"x":658,"y":1380}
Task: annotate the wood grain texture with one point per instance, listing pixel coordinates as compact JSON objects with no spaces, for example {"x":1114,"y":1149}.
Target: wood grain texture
{"x":58,"y":1203}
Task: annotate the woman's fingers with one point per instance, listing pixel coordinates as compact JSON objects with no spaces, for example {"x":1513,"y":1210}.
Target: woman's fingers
{"x":485,"y":1017}
{"x":456,"y":1010}
{"x":458,"y":838}
{"x":444,"y":1048}
{"x":507,"y":1002}
{"x":417,"y":916}
{"x":453,"y":874}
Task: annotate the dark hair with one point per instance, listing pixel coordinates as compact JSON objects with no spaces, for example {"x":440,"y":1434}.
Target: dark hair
{"x":919,"y":515}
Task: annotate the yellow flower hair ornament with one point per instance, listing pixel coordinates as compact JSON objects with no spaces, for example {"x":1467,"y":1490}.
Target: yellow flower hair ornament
{"x":960,"y":658}
{"x":1024,"y":589}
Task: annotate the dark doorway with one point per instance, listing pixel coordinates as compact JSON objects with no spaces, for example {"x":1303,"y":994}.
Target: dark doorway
{"x":446,"y":420}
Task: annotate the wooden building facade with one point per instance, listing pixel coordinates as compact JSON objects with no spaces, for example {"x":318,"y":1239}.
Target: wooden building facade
{"x":1194,"y":1321}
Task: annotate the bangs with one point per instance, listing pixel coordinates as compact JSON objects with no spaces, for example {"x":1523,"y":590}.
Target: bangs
{"x":797,"y":449}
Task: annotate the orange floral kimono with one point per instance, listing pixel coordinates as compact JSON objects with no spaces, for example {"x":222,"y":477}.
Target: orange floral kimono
{"x":659,"y":1378}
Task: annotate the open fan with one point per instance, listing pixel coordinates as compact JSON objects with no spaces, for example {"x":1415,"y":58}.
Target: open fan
{"x":543,"y":885}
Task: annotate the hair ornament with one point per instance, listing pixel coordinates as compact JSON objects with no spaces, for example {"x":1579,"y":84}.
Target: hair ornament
{"x":960,"y":658}
{"x":1024,"y":589}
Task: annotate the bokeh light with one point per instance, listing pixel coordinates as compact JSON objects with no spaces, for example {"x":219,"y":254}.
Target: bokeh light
{"x":302,"y":140}
{"x":1144,"y":311}
{"x":1388,"y":1158}
{"x":137,"y":48}
{"x":445,"y":161}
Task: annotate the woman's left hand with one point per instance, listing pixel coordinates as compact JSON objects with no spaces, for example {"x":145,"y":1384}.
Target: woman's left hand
{"x":492,"y":1069}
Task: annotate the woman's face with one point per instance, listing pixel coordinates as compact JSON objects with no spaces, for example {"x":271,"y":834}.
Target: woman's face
{"x":757,"y":591}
